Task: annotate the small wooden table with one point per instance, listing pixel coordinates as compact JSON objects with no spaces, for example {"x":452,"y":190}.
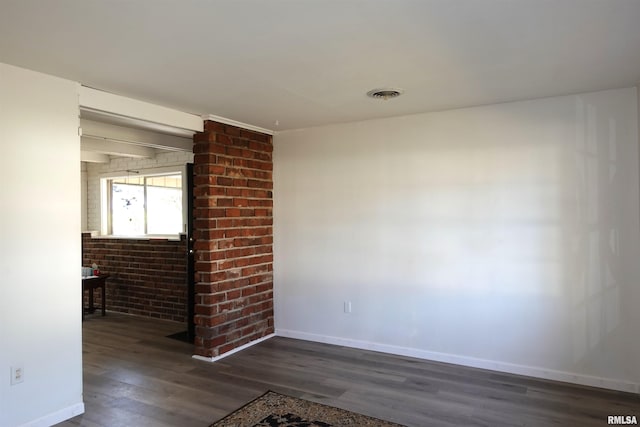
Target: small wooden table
{"x":91,"y":283}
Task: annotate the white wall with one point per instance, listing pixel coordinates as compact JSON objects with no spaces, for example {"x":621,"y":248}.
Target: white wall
{"x":83,"y":195}
{"x":503,"y":236}
{"x":40,"y":317}
{"x":122,"y":164}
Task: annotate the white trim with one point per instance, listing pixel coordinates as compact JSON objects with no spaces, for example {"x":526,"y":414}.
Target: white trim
{"x":235,"y":350}
{"x":57,"y":416}
{"x":473,"y":362}
{"x":236,"y":123}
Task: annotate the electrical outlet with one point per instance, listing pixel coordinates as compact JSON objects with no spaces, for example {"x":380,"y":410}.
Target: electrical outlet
{"x":347,"y":306}
{"x":17,"y":375}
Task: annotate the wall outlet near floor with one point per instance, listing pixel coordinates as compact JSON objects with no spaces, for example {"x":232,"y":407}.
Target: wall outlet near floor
{"x":17,"y":375}
{"x":347,"y":306}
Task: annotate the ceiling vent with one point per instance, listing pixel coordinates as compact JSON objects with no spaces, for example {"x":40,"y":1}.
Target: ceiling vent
{"x":385,"y":93}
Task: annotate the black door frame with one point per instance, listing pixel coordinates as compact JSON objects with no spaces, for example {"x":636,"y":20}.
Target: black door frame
{"x":191,"y":283}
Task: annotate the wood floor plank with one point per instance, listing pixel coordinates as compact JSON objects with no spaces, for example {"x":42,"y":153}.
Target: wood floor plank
{"x":135,"y":375}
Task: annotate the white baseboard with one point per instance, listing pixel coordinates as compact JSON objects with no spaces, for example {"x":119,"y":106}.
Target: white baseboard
{"x":531,"y":371}
{"x":235,"y":350}
{"x":58,"y":416}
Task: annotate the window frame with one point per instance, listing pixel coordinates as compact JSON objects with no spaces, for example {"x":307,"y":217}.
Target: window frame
{"x":106,"y":207}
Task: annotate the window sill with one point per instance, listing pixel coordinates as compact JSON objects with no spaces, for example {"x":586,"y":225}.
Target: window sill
{"x":170,"y":237}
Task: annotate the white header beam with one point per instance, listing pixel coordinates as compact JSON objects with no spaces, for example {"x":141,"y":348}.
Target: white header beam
{"x":115,"y":148}
{"x":93,"y":157}
{"x":97,"y":101}
{"x":135,"y":136}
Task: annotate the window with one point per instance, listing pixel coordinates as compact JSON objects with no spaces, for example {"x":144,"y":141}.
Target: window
{"x":144,"y":204}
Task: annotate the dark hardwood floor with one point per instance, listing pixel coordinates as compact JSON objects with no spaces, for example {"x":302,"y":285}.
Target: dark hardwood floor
{"x":135,"y":376}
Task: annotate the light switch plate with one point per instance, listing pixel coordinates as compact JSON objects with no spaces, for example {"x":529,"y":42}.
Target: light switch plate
{"x":17,"y":375}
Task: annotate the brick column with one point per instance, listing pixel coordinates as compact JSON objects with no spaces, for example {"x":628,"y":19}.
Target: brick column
{"x":233,"y":230}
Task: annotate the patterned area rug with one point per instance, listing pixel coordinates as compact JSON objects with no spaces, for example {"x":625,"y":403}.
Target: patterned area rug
{"x":277,"y":410}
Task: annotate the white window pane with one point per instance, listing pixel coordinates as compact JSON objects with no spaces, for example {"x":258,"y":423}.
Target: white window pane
{"x":128,"y":209}
{"x":164,"y":210}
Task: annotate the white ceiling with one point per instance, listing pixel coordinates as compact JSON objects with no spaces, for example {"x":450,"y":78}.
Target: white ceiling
{"x":310,"y":62}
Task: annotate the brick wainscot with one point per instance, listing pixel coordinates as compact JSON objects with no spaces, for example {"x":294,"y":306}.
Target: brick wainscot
{"x":148,"y":277}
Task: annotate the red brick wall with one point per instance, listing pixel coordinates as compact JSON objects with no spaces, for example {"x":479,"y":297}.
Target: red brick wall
{"x":148,"y":277}
{"x":233,"y":231}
